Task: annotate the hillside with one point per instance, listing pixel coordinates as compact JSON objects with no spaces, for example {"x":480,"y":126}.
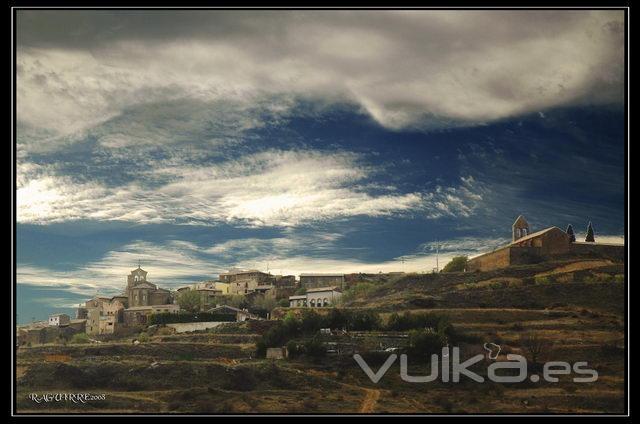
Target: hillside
{"x":574,"y":309}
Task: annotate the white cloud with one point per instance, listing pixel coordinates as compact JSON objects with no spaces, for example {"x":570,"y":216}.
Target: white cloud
{"x":177,"y":262}
{"x":169,"y":265}
{"x":406,"y":68}
{"x":271,"y":188}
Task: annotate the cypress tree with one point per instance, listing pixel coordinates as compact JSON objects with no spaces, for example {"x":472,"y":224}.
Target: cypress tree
{"x":590,"y":236}
{"x":572,"y":236}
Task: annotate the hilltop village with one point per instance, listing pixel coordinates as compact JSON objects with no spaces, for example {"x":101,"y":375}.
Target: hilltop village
{"x":141,"y":299}
{"x":251,"y":341}
{"x":239,"y":295}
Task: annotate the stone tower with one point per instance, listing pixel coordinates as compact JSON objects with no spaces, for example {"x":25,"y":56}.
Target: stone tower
{"x":520,"y":228}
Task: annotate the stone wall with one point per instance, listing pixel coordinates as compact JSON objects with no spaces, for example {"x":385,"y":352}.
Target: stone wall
{"x":500,"y":258}
{"x":185,"y":327}
{"x":596,"y":250}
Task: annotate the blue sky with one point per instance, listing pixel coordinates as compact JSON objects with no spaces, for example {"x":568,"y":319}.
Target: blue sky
{"x":300,"y":142}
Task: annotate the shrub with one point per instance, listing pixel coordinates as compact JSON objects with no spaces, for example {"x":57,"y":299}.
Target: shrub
{"x":534,"y":345}
{"x":457,"y":264}
{"x":79,"y":338}
{"x":314,"y":348}
{"x":409,"y":321}
{"x":293,"y":349}
{"x":619,"y":278}
{"x":363,"y":321}
{"x":358,"y":290}
{"x":425,"y":342}
{"x":544,"y":279}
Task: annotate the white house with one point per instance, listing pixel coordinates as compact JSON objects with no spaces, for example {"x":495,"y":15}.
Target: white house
{"x":59,"y":320}
{"x":320,"y":297}
{"x":298,"y":301}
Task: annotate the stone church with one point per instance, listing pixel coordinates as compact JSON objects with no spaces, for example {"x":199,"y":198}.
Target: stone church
{"x":140,"y":292}
{"x":528,"y":247}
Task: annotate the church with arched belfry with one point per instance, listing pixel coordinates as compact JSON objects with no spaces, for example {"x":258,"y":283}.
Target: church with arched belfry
{"x":141,"y":292}
{"x":141,"y":298}
{"x":550,"y":243}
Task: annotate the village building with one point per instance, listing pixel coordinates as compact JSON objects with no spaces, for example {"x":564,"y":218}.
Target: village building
{"x":308,"y":280}
{"x":276,"y":353}
{"x":105,"y":315}
{"x":207,"y":297}
{"x":141,"y":292}
{"x":550,"y":243}
{"x":244,"y":282}
{"x":40,"y":332}
{"x":319,"y":297}
{"x":298,"y":301}
{"x":240,"y":314}
{"x":59,"y":320}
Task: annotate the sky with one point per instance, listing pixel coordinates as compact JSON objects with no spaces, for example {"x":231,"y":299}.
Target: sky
{"x":304,"y":141}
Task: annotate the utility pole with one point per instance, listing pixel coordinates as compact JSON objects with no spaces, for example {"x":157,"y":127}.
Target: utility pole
{"x":437,"y":254}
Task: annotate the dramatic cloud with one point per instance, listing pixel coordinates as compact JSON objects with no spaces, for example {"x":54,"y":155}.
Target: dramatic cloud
{"x":406,"y":68}
{"x":273,"y":188}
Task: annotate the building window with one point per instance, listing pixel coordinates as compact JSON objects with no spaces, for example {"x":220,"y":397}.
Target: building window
{"x":312,"y":302}
{"x":326,"y":302}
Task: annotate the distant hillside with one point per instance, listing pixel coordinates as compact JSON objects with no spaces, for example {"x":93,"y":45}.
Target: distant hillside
{"x":595,"y":284}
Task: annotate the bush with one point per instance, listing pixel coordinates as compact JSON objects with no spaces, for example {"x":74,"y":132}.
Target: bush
{"x":425,"y":342}
{"x":79,"y":338}
{"x":264,"y":303}
{"x":409,"y":321}
{"x":457,"y":264}
{"x":358,"y":290}
{"x":619,"y":278}
{"x":294,"y":349}
{"x":363,"y":321}
{"x":315,"y":348}
{"x":544,"y":279}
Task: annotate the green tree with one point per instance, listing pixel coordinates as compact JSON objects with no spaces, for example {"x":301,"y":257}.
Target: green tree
{"x":572,"y":236}
{"x":235,"y":300}
{"x":264,"y":302}
{"x":189,"y":301}
{"x":457,"y":264}
{"x":590,"y":236}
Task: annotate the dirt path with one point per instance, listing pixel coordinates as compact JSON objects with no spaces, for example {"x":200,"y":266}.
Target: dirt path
{"x":370,"y":401}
